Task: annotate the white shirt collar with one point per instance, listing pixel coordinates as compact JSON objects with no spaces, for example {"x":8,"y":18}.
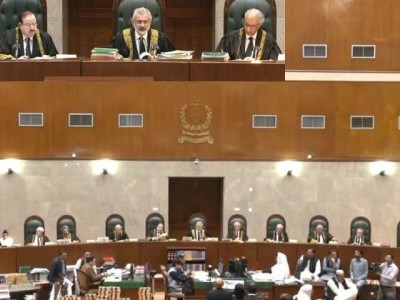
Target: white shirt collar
{"x":254,"y":37}
{"x":137,"y":36}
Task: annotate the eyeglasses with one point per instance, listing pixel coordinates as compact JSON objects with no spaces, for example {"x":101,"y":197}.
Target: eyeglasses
{"x":250,"y":26}
{"x":29,"y":25}
{"x":139,"y":22}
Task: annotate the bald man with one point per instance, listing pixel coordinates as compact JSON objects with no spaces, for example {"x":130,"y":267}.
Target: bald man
{"x":118,"y":234}
{"x":218,"y":293}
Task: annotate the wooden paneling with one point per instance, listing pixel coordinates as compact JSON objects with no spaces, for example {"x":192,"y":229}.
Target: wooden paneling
{"x":89,"y":25}
{"x":232,"y":106}
{"x":195,"y":195}
{"x":339,"y":24}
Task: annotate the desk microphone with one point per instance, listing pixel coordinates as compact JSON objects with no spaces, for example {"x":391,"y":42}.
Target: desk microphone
{"x":15,"y":48}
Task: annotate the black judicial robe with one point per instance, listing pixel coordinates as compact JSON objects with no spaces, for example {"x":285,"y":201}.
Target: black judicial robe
{"x":8,"y":39}
{"x":234,"y":44}
{"x":164,"y":43}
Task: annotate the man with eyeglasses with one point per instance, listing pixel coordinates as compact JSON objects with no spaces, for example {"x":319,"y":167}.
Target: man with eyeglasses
{"x":139,"y":39}
{"x":250,"y":42}
{"x":27,"y":41}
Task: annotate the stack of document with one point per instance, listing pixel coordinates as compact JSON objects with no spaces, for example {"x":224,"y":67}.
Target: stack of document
{"x":215,"y":56}
{"x":4,"y":291}
{"x":176,"y":54}
{"x":104,"y":54}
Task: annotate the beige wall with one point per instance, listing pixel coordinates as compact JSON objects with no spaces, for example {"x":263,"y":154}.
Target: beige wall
{"x":339,"y":191}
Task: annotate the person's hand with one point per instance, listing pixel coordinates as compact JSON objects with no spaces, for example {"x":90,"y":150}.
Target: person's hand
{"x":23,"y":57}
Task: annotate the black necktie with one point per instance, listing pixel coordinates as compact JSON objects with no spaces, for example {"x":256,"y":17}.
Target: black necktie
{"x":28,"y":48}
{"x":198,"y":235}
{"x":142,"y":48}
{"x":250,"y":47}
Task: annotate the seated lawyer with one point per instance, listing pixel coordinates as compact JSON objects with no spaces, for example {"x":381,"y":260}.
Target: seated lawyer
{"x":319,"y":236}
{"x":139,"y":37}
{"x":359,"y":238}
{"x":278,"y":235}
{"x":237,"y":234}
{"x":94,"y":279}
{"x":250,"y":41}
{"x":26,"y":40}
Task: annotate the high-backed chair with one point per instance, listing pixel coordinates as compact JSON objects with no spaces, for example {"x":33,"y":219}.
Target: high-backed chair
{"x":398,"y":234}
{"x":30,"y":225}
{"x":194,"y":218}
{"x":317,"y":220}
{"x":152,"y":221}
{"x":274,"y":220}
{"x":10,"y":10}
{"x":66,"y":220}
{"x":113,"y":220}
{"x":237,"y":218}
{"x":123,"y":10}
{"x":361,"y":222}
{"x":235,"y":9}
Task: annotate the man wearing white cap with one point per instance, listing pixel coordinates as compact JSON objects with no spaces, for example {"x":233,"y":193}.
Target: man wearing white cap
{"x":339,"y":288}
{"x":38,"y":239}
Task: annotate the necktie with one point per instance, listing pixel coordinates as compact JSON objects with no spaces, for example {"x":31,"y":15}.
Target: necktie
{"x":198,"y":235}
{"x":28,"y":48}
{"x":142,"y":48}
{"x":38,"y":241}
{"x":250,"y":47}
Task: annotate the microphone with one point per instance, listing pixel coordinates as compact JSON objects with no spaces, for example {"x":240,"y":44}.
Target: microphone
{"x":15,"y":48}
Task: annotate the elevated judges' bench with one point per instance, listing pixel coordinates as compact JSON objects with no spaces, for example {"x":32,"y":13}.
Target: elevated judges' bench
{"x":171,"y":70}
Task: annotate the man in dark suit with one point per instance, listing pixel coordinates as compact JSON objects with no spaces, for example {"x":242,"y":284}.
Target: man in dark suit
{"x":251,"y":290}
{"x":359,"y":238}
{"x":237,"y":234}
{"x":218,"y":293}
{"x":58,"y":272}
{"x":278,"y":235}
{"x":319,"y":236}
{"x":158,"y":233}
{"x":118,"y":234}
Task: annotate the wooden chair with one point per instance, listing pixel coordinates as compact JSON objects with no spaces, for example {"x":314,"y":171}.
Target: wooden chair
{"x":167,"y":291}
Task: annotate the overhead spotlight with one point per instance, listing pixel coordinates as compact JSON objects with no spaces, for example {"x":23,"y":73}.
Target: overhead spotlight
{"x":196,"y":161}
{"x":105,"y":171}
{"x":289,"y":173}
{"x":382,"y":173}
{"x":10,"y":171}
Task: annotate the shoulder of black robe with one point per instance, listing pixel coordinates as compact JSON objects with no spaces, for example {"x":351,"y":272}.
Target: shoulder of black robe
{"x":271,"y":48}
{"x":6,"y":41}
{"x":48,"y":44}
{"x":119,"y":43}
{"x":164,"y":43}
{"x":229,"y":43}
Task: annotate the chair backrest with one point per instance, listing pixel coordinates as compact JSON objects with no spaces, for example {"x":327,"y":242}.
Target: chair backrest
{"x":113,"y":220}
{"x":274,"y":220}
{"x":194,"y":218}
{"x":361,"y":222}
{"x":235,"y":9}
{"x":237,"y":218}
{"x":152,"y":221}
{"x":317,"y":220}
{"x":10,"y":10}
{"x":398,"y":234}
{"x":83,"y":281}
{"x":123,"y":10}
{"x":66,"y":220}
{"x":30,"y":225}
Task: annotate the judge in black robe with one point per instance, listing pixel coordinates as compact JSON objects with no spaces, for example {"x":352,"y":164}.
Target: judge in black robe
{"x":9,"y":40}
{"x":236,"y":42}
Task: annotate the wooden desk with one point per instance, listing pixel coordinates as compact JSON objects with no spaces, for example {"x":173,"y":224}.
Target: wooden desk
{"x":160,"y":70}
{"x":236,"y":71}
{"x":35,"y":70}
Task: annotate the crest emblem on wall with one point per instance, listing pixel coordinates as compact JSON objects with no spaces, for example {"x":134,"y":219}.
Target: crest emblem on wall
{"x":195,"y":120}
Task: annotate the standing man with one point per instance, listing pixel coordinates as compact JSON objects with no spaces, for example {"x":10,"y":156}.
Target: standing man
{"x":278,"y":235}
{"x":118,"y":234}
{"x":58,"y":273}
{"x":218,"y":293}
{"x":388,"y":276}
{"x":27,"y":41}
{"x":250,"y":41}
{"x":358,"y":269}
{"x":139,"y":38}
{"x":79,"y":263}
{"x":340,"y":288}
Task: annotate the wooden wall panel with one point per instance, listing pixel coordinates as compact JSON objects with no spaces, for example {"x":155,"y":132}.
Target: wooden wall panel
{"x":339,"y":24}
{"x":232,"y":106}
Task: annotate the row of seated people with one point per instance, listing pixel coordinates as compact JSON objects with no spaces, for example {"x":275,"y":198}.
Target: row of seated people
{"x":197,"y":233}
{"x":27,"y":41}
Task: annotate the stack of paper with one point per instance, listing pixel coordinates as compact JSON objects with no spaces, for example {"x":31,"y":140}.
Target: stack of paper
{"x":176,"y":54}
{"x":104,"y":54}
{"x":215,"y":56}
{"x":4,"y":291}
